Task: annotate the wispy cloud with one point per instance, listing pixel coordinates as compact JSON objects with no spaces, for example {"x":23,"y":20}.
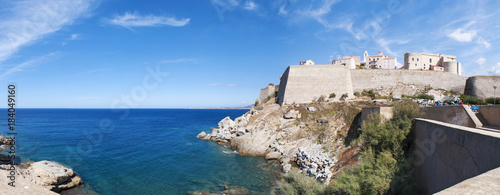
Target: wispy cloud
{"x":495,"y":70}
{"x":74,"y":36}
{"x":129,"y":20}
{"x":181,"y":60}
{"x":480,"y":61}
{"x":462,"y":35}
{"x":250,"y":5}
{"x":24,"y":65}
{"x":29,"y":20}
{"x":222,"y":84}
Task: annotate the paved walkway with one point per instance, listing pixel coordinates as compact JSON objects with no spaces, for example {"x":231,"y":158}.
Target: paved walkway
{"x":486,"y":183}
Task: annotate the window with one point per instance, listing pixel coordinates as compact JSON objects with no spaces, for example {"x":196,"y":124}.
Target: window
{"x":417,"y":59}
{"x":430,"y":60}
{"x":412,"y":59}
{"x":415,"y":64}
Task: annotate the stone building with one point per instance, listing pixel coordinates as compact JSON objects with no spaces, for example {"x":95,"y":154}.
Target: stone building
{"x":436,"y":62}
{"x":307,"y":62}
{"x":347,"y":61}
{"x":379,"y":61}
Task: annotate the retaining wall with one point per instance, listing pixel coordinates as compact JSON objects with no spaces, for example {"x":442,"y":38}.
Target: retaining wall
{"x":446,"y":154}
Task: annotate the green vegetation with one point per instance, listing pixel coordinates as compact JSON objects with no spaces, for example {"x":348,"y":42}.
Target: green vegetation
{"x":472,"y":100}
{"x":332,"y":95}
{"x":425,"y":96}
{"x":344,"y":96}
{"x":385,"y":166}
{"x":356,"y":94}
{"x":369,"y":94}
{"x":296,"y":183}
{"x":492,"y":100}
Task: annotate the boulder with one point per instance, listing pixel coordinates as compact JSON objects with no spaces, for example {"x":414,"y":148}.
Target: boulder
{"x":273,"y":155}
{"x":207,"y":137}
{"x":226,"y":124}
{"x":292,"y":114}
{"x":287,"y":168}
{"x":311,"y":109}
{"x":202,"y":134}
{"x":52,"y":175}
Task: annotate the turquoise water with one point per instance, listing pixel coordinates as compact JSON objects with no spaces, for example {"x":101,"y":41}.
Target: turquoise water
{"x":146,"y":151}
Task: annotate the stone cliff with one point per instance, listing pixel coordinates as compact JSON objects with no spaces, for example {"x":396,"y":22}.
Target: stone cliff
{"x":309,"y":137}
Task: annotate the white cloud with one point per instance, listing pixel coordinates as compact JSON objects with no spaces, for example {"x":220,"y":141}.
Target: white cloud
{"x":181,"y":60}
{"x":481,"y":41}
{"x":461,"y":35}
{"x":282,"y":10}
{"x":74,"y":36}
{"x":134,"y":20}
{"x":222,"y":84}
{"x":29,"y":20}
{"x":22,"y":66}
{"x":495,"y":70}
{"x":250,"y":5}
{"x":480,"y":61}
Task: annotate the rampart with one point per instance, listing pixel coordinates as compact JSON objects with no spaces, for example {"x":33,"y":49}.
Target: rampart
{"x":394,"y":79}
{"x":482,"y":86}
{"x":301,"y":84}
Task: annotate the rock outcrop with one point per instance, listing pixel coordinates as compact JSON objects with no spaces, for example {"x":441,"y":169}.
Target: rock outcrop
{"x":282,"y":133}
{"x":51,"y":175}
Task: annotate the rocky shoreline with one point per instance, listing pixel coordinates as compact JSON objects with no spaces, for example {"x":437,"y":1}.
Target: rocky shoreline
{"x":282,"y":133}
{"x":43,"y":177}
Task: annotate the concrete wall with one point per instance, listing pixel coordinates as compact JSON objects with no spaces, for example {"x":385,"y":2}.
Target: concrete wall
{"x":386,"y":112}
{"x":301,"y":84}
{"x":482,"y":86}
{"x":449,"y":114}
{"x":446,"y":154}
{"x":491,"y":114}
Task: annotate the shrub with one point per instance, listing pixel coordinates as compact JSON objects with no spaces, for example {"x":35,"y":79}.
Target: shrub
{"x":356,"y":94}
{"x":296,"y":183}
{"x":332,"y":95}
{"x":385,"y":166}
{"x":425,"y":96}
{"x":472,"y":100}
{"x":492,"y":100}
{"x":344,"y":96}
{"x":322,"y":98}
{"x":371,"y":94}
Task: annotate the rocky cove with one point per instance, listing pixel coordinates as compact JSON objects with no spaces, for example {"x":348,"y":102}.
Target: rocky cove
{"x":42,"y":177}
{"x":307,"y":138}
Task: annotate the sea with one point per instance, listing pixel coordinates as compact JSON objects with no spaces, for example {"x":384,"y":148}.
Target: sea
{"x":139,"y":151}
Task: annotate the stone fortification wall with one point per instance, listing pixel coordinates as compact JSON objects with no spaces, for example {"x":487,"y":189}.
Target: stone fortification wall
{"x":266,"y":92}
{"x":301,"y":84}
{"x":405,"y":82}
{"x":482,"y":86}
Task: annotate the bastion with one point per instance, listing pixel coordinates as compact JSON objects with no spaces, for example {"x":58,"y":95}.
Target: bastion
{"x":306,"y":83}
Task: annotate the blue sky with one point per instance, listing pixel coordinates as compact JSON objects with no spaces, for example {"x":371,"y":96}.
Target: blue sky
{"x":210,"y":53}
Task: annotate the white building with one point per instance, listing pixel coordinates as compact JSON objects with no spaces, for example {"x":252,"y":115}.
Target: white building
{"x":436,"y":62}
{"x":379,"y":61}
{"x":348,"y":61}
{"x":307,"y":62}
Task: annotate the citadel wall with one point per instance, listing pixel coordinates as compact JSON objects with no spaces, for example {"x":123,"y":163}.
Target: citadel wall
{"x":397,"y":81}
{"x":302,"y":84}
{"x":482,"y":86}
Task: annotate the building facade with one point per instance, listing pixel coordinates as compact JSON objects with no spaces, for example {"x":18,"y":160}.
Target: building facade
{"x":379,"y":61}
{"x":348,"y":61}
{"x":436,"y":62}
